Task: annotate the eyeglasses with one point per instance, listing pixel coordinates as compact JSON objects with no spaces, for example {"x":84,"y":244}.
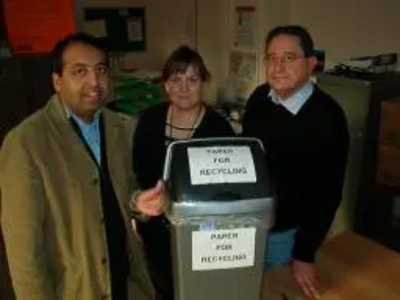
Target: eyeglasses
{"x":178,"y":81}
{"x":286,"y":58}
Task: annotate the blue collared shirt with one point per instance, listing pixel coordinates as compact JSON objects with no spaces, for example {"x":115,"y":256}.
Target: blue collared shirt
{"x":295,"y":102}
{"x":91,"y":133}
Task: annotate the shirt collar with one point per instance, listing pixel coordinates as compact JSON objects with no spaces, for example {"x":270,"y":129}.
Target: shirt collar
{"x":79,"y":121}
{"x":295,"y":102}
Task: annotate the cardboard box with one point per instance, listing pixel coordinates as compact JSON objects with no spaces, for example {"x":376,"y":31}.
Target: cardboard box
{"x":389,"y":131}
{"x":388,"y":166}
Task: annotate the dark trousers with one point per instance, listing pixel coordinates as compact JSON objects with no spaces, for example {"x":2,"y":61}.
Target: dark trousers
{"x":156,"y":239}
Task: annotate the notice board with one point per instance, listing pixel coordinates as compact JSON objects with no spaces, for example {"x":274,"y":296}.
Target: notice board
{"x":118,"y":28}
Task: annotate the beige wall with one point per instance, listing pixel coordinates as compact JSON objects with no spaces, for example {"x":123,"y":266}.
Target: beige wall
{"x":344,"y":28}
{"x":212,"y":41}
{"x":348,"y":28}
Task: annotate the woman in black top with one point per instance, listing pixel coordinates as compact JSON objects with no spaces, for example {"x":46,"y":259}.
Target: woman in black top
{"x":183,"y":116}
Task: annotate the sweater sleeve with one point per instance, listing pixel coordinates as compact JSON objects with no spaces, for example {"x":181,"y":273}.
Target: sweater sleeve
{"x":249,"y":124}
{"x":325,"y":188}
{"x":149,"y":146}
{"x":139,"y":149}
{"x":146,"y":153}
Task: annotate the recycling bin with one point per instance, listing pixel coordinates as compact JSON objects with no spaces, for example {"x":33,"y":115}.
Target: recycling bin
{"x":220,"y":209}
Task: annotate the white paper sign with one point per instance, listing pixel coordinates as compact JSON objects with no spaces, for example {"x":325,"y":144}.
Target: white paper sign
{"x":221,"y":164}
{"x":223,"y":249}
{"x":135,"y":30}
{"x":96,"y":28}
{"x":245,"y":27}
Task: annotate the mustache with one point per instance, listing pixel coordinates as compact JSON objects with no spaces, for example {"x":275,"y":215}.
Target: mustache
{"x":94,"y":89}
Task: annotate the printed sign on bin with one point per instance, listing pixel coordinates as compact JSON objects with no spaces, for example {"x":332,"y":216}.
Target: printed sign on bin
{"x":221,"y":164}
{"x":223,"y":249}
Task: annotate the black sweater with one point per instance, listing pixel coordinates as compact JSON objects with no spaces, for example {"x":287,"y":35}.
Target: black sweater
{"x":149,"y":145}
{"x":306,"y":154}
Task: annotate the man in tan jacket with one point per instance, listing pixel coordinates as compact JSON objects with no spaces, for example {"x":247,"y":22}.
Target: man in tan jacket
{"x":66,"y":182}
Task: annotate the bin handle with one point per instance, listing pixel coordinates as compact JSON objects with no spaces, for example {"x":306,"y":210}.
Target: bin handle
{"x":226,"y":196}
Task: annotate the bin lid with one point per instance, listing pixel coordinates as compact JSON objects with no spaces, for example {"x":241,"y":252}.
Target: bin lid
{"x":216,"y":170}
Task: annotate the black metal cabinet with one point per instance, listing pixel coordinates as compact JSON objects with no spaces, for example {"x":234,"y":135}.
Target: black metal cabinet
{"x":371,"y":205}
{"x":377,"y":210}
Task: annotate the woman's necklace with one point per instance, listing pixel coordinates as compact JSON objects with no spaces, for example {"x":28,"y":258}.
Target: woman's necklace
{"x":190,"y":129}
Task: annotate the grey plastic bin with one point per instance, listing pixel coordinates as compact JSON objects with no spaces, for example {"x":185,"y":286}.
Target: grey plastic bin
{"x":220,"y":211}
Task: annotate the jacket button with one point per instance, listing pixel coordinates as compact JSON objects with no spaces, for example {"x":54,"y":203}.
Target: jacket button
{"x":104,"y":260}
{"x":105,"y":297}
{"x":95,"y":181}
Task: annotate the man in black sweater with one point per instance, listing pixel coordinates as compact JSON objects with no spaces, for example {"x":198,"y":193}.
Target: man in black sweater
{"x":305,"y":135}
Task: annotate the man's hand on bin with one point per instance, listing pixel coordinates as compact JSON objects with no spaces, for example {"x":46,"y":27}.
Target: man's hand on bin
{"x":151,"y":202}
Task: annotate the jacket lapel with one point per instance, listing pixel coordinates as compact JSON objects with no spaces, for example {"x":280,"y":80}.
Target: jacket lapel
{"x":112,"y":130}
{"x":116,"y":162}
{"x":62,"y":127}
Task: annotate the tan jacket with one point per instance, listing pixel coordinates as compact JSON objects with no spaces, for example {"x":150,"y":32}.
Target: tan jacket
{"x":52,"y":214}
